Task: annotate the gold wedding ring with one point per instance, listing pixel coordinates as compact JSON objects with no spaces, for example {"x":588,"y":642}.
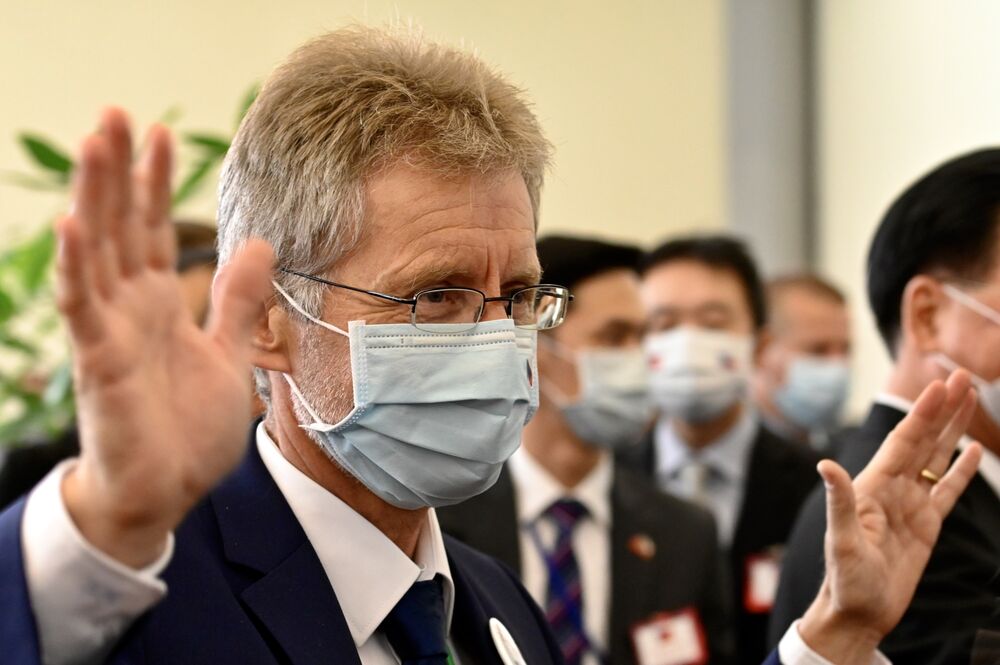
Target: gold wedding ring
{"x":927,"y":474}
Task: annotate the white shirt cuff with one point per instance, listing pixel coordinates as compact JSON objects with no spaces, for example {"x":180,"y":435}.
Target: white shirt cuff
{"x":792,"y":650}
{"x":83,"y":600}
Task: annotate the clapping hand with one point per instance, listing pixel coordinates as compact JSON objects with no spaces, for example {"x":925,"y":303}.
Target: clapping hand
{"x":882,"y":527}
{"x":163,"y":405}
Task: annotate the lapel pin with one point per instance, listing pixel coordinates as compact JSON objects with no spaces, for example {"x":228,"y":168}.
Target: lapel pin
{"x":505,"y":644}
{"x":642,"y":546}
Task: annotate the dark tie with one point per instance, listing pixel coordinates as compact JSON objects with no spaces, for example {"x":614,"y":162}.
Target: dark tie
{"x":564,"y":606}
{"x":416,"y":625}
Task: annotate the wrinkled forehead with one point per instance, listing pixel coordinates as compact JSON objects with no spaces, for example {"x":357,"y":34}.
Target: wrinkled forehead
{"x":424,"y":229}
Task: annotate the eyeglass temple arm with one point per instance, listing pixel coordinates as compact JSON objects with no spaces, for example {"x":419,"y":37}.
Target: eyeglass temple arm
{"x":386,"y":296}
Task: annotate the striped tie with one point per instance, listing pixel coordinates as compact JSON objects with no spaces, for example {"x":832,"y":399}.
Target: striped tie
{"x":564,"y":606}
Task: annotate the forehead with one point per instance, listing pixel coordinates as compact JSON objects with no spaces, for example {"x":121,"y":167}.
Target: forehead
{"x":690,"y":284}
{"x":611,"y":294}
{"x":801,"y":305}
{"x":463,"y":228}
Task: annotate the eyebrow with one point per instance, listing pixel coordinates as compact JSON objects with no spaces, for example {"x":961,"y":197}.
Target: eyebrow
{"x":439,"y":273}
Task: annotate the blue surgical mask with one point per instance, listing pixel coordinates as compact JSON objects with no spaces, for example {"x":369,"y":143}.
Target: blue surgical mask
{"x":814,"y":393}
{"x":437,"y":410}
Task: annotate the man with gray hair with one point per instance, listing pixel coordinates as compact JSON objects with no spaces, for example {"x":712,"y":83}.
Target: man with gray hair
{"x":389,"y":187}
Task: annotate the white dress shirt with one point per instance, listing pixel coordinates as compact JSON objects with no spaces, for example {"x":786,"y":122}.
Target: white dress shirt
{"x":728,"y":458}
{"x":534,"y":491}
{"x":84,"y":601}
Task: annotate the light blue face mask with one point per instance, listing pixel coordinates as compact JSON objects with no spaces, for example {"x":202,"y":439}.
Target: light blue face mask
{"x":814,"y":393}
{"x":437,"y":411}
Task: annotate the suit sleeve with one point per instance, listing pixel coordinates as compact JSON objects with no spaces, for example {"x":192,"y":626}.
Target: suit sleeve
{"x":18,"y":633}
{"x":73,"y":603}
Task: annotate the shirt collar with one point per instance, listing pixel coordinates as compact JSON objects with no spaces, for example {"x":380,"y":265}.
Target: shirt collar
{"x":368,"y":572}
{"x":535,"y":489}
{"x":727,"y":455}
{"x":989,"y":465}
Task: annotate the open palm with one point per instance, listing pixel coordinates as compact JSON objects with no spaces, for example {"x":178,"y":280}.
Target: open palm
{"x":163,"y":405}
{"x":882,"y":527}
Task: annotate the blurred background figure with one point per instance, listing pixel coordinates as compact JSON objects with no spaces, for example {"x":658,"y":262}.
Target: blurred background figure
{"x":802,"y":381}
{"x":29,"y":462}
{"x":934,"y":290}
{"x":564,"y":513}
{"x":705,"y":309}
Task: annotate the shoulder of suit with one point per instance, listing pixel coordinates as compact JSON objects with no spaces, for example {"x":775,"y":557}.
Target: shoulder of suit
{"x":477,"y":565}
{"x":776,"y":448}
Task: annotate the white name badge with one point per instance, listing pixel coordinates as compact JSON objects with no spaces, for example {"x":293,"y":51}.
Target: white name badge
{"x":670,"y":638}
{"x":762,"y":574}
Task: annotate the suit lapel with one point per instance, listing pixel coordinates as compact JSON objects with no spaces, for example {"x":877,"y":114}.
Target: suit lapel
{"x":629,"y":594}
{"x":293,"y":600}
{"x":470,"y":622}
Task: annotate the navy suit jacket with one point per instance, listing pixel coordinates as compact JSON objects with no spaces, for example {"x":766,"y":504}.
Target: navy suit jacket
{"x":246,"y":588}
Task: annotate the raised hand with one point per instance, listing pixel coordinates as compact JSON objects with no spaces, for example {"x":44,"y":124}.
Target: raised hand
{"x":163,"y":405}
{"x":882,"y":527}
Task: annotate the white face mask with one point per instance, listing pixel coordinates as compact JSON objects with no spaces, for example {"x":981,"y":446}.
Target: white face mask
{"x":988,"y":391}
{"x":613,"y":409}
{"x":696,"y":374}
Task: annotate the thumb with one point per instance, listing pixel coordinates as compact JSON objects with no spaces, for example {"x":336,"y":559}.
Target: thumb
{"x":841,"y":520}
{"x":238,"y":293}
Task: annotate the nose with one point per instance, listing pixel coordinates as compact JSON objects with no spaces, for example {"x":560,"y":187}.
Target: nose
{"x":495,"y":311}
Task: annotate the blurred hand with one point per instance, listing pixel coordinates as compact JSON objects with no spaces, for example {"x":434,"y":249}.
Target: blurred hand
{"x":163,"y":405}
{"x":882,"y":527}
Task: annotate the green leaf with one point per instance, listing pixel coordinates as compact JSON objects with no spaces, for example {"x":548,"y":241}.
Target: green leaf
{"x":36,"y":257}
{"x":34,"y":182}
{"x":194,"y":180}
{"x":46,"y":155}
{"x":214,"y":145}
{"x":16,"y":344}
{"x":248,"y":99}
{"x":60,"y":386}
{"x":7,"y":306}
{"x":171,"y":116}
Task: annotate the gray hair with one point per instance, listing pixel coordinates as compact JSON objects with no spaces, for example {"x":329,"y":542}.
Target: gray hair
{"x":340,"y":109}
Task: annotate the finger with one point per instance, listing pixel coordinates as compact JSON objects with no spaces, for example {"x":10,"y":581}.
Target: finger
{"x":952,"y":434}
{"x":956,"y":390}
{"x":152,"y":193}
{"x":90,"y":208}
{"x":74,"y":284}
{"x":896,"y":454}
{"x":841,"y":519}
{"x":115,"y":130}
{"x":238,"y":295}
{"x":945,"y":493}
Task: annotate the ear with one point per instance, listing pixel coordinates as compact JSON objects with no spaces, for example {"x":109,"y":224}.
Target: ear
{"x":271,"y":334}
{"x":922,"y":301}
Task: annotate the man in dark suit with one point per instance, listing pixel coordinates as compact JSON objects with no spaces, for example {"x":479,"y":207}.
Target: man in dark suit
{"x":705,"y":310}
{"x":661,"y":551}
{"x":25,"y":465}
{"x":934,"y":289}
{"x":322,"y":545}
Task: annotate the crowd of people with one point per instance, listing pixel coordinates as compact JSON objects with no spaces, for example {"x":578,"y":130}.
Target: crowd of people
{"x":632,"y":434}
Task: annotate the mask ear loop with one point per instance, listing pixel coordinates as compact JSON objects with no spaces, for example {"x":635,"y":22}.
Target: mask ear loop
{"x":964,"y":298}
{"x":298,"y":308}
{"x":317,"y":421}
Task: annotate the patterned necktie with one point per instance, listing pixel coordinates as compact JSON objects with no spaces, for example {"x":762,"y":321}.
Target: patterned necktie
{"x":564,"y":605}
{"x":416,"y":625}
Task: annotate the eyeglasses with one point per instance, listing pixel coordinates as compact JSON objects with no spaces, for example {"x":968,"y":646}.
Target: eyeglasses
{"x":538,"y":307}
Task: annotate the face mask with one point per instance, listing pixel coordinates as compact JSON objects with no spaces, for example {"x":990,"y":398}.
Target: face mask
{"x":695,"y":374}
{"x":436,"y":413}
{"x":814,"y":393}
{"x":614,"y":408}
{"x":988,"y":391}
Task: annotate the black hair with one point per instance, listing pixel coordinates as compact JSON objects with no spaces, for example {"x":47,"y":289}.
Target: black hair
{"x":944,"y":222}
{"x":719,"y":252}
{"x":568,"y":260}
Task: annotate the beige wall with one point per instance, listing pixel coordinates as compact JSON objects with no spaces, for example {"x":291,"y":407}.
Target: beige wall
{"x":904,"y":85}
{"x":629,"y":92}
